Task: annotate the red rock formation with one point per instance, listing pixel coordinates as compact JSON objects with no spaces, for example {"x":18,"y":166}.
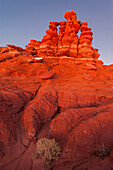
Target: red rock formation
{"x":85,"y":49}
{"x":68,"y":38}
{"x":49,"y":43}
{"x":66,"y":42}
{"x":33,"y":47}
{"x":96,"y":54}
{"x":69,"y":99}
{"x":3,"y":49}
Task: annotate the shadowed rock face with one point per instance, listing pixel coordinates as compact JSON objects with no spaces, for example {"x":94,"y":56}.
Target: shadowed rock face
{"x":66,"y":98}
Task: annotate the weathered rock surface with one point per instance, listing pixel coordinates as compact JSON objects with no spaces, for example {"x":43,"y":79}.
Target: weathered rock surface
{"x":66,"y":98}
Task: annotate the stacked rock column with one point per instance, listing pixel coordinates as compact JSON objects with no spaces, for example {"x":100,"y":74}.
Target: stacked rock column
{"x":60,"y":36}
{"x":33,"y":47}
{"x":48,"y":47}
{"x":68,"y":38}
{"x":74,"y":45}
{"x":85,"y":49}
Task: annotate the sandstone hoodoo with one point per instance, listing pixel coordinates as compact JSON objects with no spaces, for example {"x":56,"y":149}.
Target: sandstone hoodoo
{"x":57,"y":91}
{"x":65,"y":41}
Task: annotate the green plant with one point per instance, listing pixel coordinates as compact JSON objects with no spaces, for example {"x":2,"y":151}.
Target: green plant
{"x":102,"y":151}
{"x":48,"y":150}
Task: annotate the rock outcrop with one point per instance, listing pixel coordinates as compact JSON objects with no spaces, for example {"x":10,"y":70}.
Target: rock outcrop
{"x":65,"y":42}
{"x":56,"y":88}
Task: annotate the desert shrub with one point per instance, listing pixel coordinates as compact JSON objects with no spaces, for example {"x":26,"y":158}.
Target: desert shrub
{"x":102,"y":151}
{"x":48,"y":150}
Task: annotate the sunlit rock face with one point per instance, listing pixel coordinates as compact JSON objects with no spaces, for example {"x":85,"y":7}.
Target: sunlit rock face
{"x":65,"y":41}
{"x":56,"y":88}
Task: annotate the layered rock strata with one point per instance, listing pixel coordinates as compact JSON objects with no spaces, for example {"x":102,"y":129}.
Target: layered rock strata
{"x":65,"y":42}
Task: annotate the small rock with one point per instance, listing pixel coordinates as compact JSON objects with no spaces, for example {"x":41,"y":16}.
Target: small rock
{"x":38,"y":59}
{"x":55,"y":63}
{"x":90,"y":66}
{"x":77,"y":62}
{"x":88,"y":77}
{"x":3,"y":51}
{"x":11,"y":46}
{"x":47,"y":75}
{"x":31,"y":60}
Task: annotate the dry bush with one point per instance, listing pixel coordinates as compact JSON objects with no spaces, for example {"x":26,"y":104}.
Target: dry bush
{"x":102,"y":151}
{"x":48,"y":150}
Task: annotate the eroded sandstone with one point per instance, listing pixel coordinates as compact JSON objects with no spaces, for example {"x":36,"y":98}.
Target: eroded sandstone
{"x":56,"y":88}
